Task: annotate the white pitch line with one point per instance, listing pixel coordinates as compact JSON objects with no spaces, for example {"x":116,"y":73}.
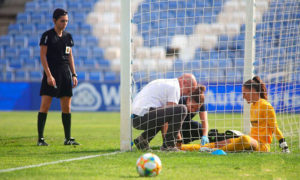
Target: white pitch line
{"x":57,"y":162}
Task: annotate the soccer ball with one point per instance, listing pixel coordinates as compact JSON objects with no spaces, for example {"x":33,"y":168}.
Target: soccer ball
{"x":148,"y":165}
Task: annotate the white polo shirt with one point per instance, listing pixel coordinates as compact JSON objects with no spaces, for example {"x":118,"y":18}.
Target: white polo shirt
{"x":156,"y":94}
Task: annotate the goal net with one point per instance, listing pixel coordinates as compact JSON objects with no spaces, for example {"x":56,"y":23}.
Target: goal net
{"x":208,"y":39}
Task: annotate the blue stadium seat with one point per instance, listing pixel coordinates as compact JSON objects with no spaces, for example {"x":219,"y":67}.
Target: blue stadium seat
{"x":91,"y":41}
{"x":11,"y":52}
{"x":171,"y":5}
{"x":38,"y":18}
{"x":178,"y":65}
{"x":74,"y":7}
{"x":20,"y":41}
{"x":87,"y":6}
{"x":111,"y":76}
{"x":139,"y":76}
{"x":81,"y":76}
{"x":72,"y":28}
{"x":25,"y":53}
{"x":205,"y":64}
{"x":35,"y":75}
{"x":155,"y":75}
{"x":3,"y":63}
{"x":103,"y":64}
{"x":83,"y":52}
{"x":30,"y":64}
{"x":192,"y":65}
{"x":79,"y":17}
{"x":95,"y":76}
{"x":14,"y":29}
{"x":9,"y":75}
{"x":62,"y":5}
{"x":15,"y":64}
{"x":31,"y":6}
{"x":238,"y":62}
{"x":97,"y":53}
{"x":28,"y":29}
{"x":78,"y":40}
{"x":36,"y":52}
{"x":20,"y":75}
{"x":46,"y":7}
{"x":89,"y":64}
{"x":41,"y":28}
{"x":170,"y":75}
{"x":33,"y":41}
{"x":23,"y":18}
{"x":2,"y":53}
{"x":85,"y":29}
{"x":6,"y":41}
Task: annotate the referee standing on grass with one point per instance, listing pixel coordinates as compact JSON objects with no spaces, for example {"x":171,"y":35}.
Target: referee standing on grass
{"x":59,"y":73}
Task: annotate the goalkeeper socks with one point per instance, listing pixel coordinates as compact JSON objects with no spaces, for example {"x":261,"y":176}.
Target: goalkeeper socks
{"x":41,"y":124}
{"x":66,"y":120}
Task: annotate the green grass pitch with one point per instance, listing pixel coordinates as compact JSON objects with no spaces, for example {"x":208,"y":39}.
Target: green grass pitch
{"x":99,"y":134}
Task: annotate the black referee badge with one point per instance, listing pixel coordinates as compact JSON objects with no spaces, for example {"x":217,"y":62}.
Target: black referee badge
{"x":68,"y":49}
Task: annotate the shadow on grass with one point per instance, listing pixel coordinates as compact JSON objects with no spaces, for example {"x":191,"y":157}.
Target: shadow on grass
{"x":130,"y":177}
{"x":96,"y":151}
{"x":17,"y":138}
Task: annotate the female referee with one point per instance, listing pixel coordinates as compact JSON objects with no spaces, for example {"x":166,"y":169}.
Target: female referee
{"x":263,"y":120}
{"x":59,"y":73}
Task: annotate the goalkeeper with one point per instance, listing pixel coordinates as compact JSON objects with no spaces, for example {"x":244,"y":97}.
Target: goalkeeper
{"x":263,"y":120}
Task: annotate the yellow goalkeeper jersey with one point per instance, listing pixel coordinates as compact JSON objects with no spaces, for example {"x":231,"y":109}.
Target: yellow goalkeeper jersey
{"x":263,"y":121}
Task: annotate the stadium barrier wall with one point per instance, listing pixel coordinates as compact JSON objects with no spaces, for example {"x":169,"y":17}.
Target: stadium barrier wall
{"x":93,"y":96}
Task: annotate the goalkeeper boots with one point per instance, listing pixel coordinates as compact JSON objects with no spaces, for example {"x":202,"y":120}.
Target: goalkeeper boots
{"x":169,"y":148}
{"x":71,"y":141}
{"x":141,"y":143}
{"x":41,"y":142}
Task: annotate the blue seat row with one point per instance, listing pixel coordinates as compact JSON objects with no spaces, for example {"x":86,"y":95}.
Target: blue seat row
{"x":34,"y":52}
{"x":24,"y":41}
{"x":31,"y":29}
{"x":49,"y":6}
{"x":46,"y":17}
{"x":24,"y":75}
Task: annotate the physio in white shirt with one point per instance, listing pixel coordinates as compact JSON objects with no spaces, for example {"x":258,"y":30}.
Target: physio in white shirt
{"x":157,"y":104}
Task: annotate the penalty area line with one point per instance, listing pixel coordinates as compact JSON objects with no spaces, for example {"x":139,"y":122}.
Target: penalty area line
{"x":59,"y":161}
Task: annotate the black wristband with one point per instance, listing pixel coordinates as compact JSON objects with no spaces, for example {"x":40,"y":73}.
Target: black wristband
{"x":74,"y":75}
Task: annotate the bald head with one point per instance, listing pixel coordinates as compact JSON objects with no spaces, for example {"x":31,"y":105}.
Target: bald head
{"x":187,"y":83}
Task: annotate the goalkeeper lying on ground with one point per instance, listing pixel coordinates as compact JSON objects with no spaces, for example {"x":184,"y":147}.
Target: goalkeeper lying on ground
{"x":263,"y":120}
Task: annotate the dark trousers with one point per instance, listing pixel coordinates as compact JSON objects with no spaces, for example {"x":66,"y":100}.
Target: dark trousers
{"x":152,"y":122}
{"x":191,"y":131}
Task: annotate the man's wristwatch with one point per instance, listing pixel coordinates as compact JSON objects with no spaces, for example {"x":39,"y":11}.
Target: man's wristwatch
{"x":74,"y":75}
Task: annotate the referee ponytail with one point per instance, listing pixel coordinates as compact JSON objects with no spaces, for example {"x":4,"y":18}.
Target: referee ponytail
{"x":257,"y":84}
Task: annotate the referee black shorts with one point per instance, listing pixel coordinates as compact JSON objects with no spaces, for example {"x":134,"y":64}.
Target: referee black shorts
{"x":63,"y":79}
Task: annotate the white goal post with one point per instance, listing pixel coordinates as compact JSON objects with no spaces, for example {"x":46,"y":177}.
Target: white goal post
{"x":125,"y":125}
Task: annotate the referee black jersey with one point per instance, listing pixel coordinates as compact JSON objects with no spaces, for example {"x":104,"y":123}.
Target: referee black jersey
{"x":58,"y":48}
{"x":58,"y":52}
{"x":190,"y":115}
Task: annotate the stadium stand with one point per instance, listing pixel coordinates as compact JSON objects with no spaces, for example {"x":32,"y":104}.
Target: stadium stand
{"x":95,"y":25}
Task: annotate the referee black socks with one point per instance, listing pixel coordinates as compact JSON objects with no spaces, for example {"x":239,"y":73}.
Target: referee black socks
{"x":66,"y":120}
{"x":41,"y":124}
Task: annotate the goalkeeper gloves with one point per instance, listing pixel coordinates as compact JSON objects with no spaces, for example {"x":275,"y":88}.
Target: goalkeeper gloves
{"x":204,"y":140}
{"x":283,"y":145}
